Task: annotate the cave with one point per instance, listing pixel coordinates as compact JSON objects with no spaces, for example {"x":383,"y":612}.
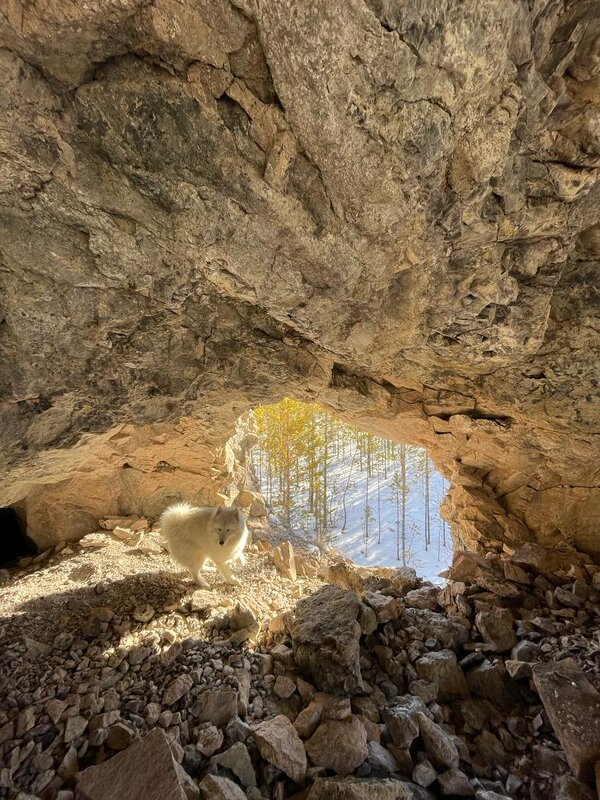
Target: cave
{"x":14,"y":542}
{"x":389,"y":208}
{"x":211,"y":224}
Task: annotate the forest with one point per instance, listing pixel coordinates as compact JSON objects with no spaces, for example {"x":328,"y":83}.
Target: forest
{"x":374,"y":500}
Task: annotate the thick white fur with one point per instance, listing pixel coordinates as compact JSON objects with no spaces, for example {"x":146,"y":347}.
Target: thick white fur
{"x":194,"y":535}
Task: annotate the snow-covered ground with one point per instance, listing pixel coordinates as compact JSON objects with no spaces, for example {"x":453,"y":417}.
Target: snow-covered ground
{"x":348,"y":499}
{"x":384,"y":550}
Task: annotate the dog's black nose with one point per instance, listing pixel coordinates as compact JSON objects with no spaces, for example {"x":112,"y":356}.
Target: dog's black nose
{"x":221,"y":543}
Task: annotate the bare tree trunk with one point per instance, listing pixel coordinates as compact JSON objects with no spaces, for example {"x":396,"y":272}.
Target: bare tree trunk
{"x":378,"y":507}
{"x":403,"y":490}
{"x":366,"y":534}
{"x":398,"y":534}
{"x":325,"y":510}
{"x":427,"y":513}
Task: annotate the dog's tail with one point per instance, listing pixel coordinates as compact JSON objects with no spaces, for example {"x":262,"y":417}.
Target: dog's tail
{"x":171,"y":516}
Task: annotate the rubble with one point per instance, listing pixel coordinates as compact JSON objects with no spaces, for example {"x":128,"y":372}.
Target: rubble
{"x":209,"y":740}
{"x":486,"y":696}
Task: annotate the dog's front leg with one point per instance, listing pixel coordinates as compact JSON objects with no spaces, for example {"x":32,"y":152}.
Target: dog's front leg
{"x":199,"y":581}
{"x":227,"y":574}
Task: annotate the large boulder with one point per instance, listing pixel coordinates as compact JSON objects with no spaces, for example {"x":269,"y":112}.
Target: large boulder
{"x":573,"y":708}
{"x":325,"y":638}
{"x":279,"y":744}
{"x":339,"y":745}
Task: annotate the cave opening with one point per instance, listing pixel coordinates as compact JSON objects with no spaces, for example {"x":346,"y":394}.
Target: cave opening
{"x":14,"y":542}
{"x":336,"y":487}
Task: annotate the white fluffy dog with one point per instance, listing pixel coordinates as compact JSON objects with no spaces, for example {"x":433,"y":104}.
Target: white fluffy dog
{"x":194,"y":535}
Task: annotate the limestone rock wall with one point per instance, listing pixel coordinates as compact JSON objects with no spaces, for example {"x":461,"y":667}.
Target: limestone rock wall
{"x":128,"y":470}
{"x":390,"y":207}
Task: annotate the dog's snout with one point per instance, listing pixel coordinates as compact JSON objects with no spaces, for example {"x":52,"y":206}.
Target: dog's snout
{"x":221,"y":541}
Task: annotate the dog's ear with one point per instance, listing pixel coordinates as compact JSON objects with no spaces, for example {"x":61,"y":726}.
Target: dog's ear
{"x":219,"y":511}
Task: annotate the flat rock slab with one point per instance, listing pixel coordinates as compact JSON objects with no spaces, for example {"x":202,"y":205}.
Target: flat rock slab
{"x":279,"y":744}
{"x":438,"y":743}
{"x":533,"y":556}
{"x":339,"y":745}
{"x":176,"y":689}
{"x":366,"y":789}
{"x":573,"y":708}
{"x":474,"y":569}
{"x":216,"y":706}
{"x":326,"y":637}
{"x":146,"y":769}
{"x":496,"y":628}
{"x":237,"y":760}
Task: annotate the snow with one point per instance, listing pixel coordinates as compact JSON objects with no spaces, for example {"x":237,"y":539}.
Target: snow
{"x":348,"y":487}
{"x":427,"y":562}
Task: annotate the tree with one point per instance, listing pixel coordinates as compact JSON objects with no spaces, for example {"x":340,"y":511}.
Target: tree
{"x":297,"y":462}
{"x":427,"y":509}
{"x":378,"y":506}
{"x":368,"y":518}
{"x":344,"y":511}
{"x":282,"y":430}
{"x":396,"y":499}
{"x":422,"y":468}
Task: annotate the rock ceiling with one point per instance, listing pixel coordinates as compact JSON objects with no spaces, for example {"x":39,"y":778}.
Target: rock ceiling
{"x":391,"y":207}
